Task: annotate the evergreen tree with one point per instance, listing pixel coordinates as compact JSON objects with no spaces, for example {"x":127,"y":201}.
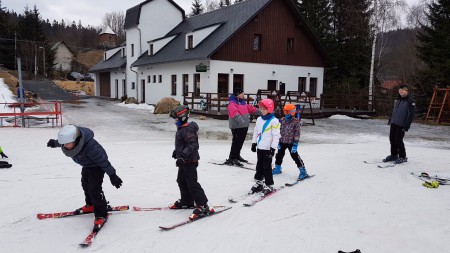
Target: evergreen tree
{"x":352,"y":49}
{"x":197,"y":8}
{"x":434,"y":42}
{"x":6,"y":40}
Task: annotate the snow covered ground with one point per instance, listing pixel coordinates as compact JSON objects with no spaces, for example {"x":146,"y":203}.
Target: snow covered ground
{"x":347,"y":205}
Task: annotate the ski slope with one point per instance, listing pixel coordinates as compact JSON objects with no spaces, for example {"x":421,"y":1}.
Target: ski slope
{"x":347,"y":205}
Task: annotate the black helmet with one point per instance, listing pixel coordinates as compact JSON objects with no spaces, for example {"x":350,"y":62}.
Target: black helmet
{"x":181,"y":113}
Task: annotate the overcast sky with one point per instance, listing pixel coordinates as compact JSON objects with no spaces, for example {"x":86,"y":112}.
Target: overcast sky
{"x":90,"y":12}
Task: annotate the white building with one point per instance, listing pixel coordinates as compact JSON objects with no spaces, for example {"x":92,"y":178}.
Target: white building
{"x":254,"y":44}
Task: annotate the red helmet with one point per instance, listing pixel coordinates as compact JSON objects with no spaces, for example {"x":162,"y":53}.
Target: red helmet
{"x":268,"y":104}
{"x":290,"y":109}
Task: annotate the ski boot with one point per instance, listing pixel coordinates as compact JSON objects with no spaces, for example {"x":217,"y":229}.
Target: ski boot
{"x":277,"y":170}
{"x":390,"y":158}
{"x":401,"y":160}
{"x":268,"y":189}
{"x":201,"y":211}
{"x":85,"y":209}
{"x":257,"y":187}
{"x":181,"y":205}
{"x":242,"y":160}
{"x":303,"y":174}
{"x":99,"y":222}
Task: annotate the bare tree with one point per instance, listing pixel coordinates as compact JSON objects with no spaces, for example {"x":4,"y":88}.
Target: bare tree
{"x":116,"y":21}
{"x":211,"y":5}
{"x":416,"y":15}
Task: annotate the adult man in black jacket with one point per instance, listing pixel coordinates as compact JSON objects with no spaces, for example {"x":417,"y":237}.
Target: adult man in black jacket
{"x":400,"y":121}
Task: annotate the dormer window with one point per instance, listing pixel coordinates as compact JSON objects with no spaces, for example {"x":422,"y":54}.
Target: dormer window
{"x":104,"y":56}
{"x":190,"y":42}
{"x":150,"y":52}
{"x":123,"y":52}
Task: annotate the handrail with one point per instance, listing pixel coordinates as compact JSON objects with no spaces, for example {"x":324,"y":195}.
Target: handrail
{"x":56,"y":111}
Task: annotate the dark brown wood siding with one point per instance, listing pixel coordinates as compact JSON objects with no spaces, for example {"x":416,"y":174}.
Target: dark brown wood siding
{"x":105,"y":84}
{"x":276,"y":23}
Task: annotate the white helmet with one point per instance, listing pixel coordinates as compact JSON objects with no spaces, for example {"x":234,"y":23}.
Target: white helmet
{"x":68,"y":134}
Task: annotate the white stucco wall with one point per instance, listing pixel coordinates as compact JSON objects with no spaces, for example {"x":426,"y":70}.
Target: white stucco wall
{"x":156,"y":19}
{"x":256,"y":77}
{"x":63,"y":58}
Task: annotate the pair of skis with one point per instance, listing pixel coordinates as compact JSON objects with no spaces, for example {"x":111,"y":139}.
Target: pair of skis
{"x":90,"y":238}
{"x":424,"y":176}
{"x":383,"y":164}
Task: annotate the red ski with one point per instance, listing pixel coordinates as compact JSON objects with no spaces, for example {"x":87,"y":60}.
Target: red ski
{"x":90,"y":238}
{"x":43,"y":216}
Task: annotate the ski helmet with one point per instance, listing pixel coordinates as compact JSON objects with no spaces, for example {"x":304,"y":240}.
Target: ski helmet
{"x":289,"y":109}
{"x":68,"y":134}
{"x":268,"y":104}
{"x":181,"y":113}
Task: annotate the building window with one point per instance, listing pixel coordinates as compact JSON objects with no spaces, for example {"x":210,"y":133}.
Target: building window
{"x":174,"y":85}
{"x":133,"y":85}
{"x":124,"y":87}
{"x":197,"y":85}
{"x":160,"y":79}
{"x":302,"y":84}
{"x":151,"y":49}
{"x":190,"y":41}
{"x":149,"y":77}
{"x":257,"y":42}
{"x":290,"y":46}
{"x":238,"y":81}
{"x":222,"y":85}
{"x":123,"y":52}
{"x":313,"y":87}
{"x":132,"y":50}
{"x":154,"y":78}
{"x":104,"y":56}
{"x":185,"y":84}
{"x":282,"y":88}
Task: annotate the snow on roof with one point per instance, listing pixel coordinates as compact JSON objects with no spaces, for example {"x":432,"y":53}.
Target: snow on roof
{"x":107,"y":30}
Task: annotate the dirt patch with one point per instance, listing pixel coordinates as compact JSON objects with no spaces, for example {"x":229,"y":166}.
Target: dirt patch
{"x":87,"y":87}
{"x":9,"y":80}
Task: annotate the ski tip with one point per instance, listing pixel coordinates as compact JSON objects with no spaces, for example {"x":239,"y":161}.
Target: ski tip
{"x":135,"y":208}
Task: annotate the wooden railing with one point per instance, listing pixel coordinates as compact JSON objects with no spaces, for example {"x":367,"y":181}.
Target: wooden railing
{"x":346,"y":101}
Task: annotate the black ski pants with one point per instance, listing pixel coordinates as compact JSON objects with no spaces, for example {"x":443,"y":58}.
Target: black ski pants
{"x":295,"y":156}
{"x":264,"y":166}
{"x":91,"y":181}
{"x":239,"y":135}
{"x":396,"y":138}
{"x":190,"y":189}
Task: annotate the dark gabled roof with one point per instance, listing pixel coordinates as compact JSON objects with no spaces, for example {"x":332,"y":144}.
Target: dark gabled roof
{"x":133,"y":14}
{"x":231,"y":18}
{"x":114,"y":62}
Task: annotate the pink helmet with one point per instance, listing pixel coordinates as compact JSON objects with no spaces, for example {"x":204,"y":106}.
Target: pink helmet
{"x":268,"y":104}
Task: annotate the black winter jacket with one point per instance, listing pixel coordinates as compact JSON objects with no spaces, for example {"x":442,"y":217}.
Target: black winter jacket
{"x":186,"y":143}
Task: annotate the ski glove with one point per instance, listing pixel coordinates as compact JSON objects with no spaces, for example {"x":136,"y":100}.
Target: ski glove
{"x":253,"y":147}
{"x":179,"y":162}
{"x":116,"y":181}
{"x":294,"y":147}
{"x":272,"y":152}
{"x":52,"y":143}
{"x":174,"y":154}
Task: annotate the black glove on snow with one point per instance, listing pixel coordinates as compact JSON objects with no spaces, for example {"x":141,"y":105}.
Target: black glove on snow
{"x":179,"y":162}
{"x":116,"y":181}
{"x":174,"y":154}
{"x":52,"y":143}
{"x":272,"y":152}
{"x":253,"y":147}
